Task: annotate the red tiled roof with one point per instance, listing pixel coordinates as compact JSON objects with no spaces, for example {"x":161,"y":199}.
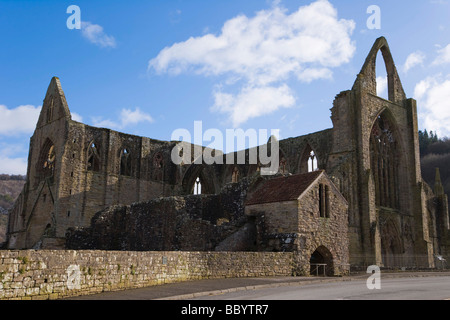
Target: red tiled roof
{"x":282,"y":188}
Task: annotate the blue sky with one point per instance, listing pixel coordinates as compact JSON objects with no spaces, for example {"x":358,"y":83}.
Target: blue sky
{"x":151,"y":67}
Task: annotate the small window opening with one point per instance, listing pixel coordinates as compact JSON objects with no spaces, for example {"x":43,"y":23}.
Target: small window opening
{"x":50,"y":111}
{"x":283,"y":166}
{"x":324,"y":203}
{"x":235,"y":175}
{"x":93,"y":158}
{"x":125,"y":163}
{"x":197,"y":187}
{"x":312,"y":162}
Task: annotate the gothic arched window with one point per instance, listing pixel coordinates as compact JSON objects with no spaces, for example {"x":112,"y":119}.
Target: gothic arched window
{"x":125,"y":162}
{"x":384,"y":162}
{"x":158,"y":160}
{"x":158,"y":167}
{"x":283,"y":166}
{"x":93,"y":157}
{"x":49,"y":163}
{"x":235,"y":175}
{"x":312,"y":162}
{"x":309,"y":160}
{"x":47,"y":160}
{"x":198,"y":186}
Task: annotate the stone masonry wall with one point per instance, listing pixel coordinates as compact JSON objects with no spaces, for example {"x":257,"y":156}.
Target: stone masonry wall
{"x":297,"y":226}
{"x":51,"y":274}
{"x":184,"y":223}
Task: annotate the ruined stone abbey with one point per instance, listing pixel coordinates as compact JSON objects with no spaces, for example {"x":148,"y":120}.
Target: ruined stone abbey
{"x":352,"y":195}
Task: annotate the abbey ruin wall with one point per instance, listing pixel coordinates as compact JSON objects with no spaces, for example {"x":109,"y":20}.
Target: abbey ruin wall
{"x":56,"y":274}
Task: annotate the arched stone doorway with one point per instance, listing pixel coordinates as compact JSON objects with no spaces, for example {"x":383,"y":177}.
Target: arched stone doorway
{"x":391,"y":244}
{"x":321,"y":262}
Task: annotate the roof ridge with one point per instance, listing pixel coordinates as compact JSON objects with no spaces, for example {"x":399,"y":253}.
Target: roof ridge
{"x":284,"y":188}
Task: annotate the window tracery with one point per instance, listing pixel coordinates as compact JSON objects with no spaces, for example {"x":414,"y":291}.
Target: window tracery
{"x":384,"y":162}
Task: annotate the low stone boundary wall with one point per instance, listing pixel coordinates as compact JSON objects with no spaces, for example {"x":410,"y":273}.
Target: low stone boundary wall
{"x":54,"y":274}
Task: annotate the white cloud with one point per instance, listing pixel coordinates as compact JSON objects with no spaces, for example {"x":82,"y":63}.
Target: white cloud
{"x":102,"y":123}
{"x":95,"y":34}
{"x":21,"y":120}
{"x":443,"y":56}
{"x":414,"y":59}
{"x":76,"y":117}
{"x":13,"y":165}
{"x":433,"y":96}
{"x":421,"y":88}
{"x":130,"y":117}
{"x":264,"y":51}
{"x":127,"y":117}
{"x":13,"y":158}
{"x":267,"y":47}
{"x":18,"y":122}
{"x":253,"y":102}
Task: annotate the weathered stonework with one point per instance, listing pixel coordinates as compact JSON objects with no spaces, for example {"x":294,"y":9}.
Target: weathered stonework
{"x":186,"y":223}
{"x":371,"y":157}
{"x":307,"y":225}
{"x":56,"y":274}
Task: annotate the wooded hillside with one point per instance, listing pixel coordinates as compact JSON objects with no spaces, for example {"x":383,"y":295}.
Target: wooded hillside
{"x":435,"y":153}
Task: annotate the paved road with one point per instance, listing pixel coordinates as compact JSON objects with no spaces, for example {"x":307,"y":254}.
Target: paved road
{"x":405,"y":286}
{"x":255,"y":297}
{"x":411,"y":288}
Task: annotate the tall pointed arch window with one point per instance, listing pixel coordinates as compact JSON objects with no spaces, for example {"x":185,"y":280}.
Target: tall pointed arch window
{"x":235,"y":175}
{"x":282,"y":168}
{"x":384,"y":163}
{"x":197,"y":186}
{"x":125,"y":162}
{"x":312,"y":162}
{"x":309,"y":160}
{"x":93,"y":163}
{"x":157,"y":172}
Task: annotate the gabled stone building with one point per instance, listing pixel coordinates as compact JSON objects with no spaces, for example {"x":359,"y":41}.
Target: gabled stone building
{"x":304,"y":213}
{"x":371,"y":156}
